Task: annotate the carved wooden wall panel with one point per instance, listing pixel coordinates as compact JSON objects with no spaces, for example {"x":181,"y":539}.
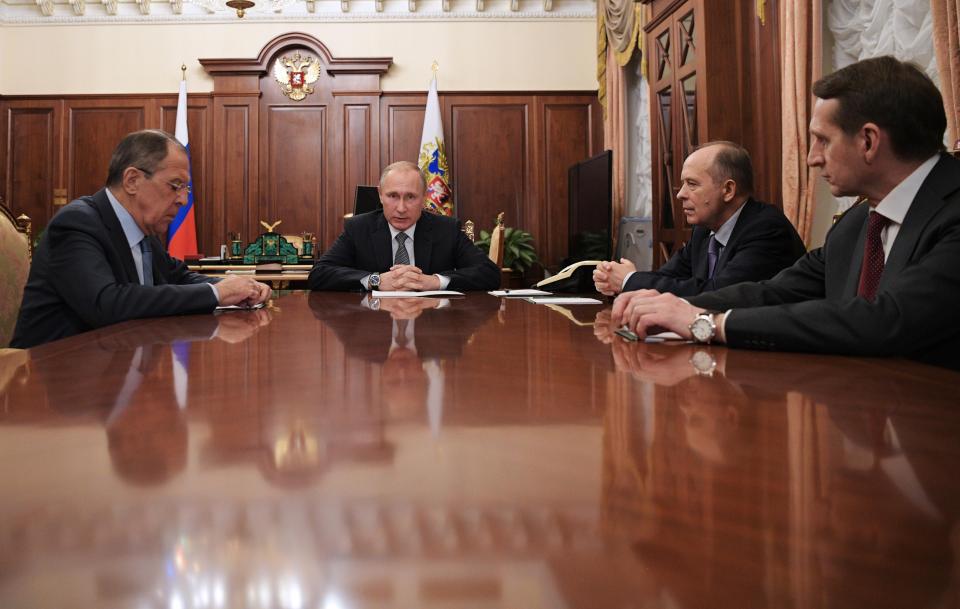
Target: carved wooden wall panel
{"x":293,"y":183}
{"x":570,"y":136}
{"x":31,"y":161}
{"x":490,"y":162}
{"x":402,"y":121}
{"x":93,"y":129}
{"x":235,"y":169}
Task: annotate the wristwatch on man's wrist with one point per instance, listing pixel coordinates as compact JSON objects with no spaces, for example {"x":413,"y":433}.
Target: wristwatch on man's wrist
{"x":704,"y":327}
{"x":374,"y":281}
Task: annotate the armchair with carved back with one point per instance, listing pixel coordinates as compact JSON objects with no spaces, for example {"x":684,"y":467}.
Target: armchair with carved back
{"x":16,"y":247}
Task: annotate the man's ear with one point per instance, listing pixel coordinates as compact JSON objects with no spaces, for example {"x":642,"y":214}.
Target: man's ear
{"x":130,"y":181}
{"x":870,"y":137}
{"x":728,"y":190}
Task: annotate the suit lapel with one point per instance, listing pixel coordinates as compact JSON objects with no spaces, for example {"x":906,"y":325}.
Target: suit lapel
{"x":380,"y":241}
{"x":698,"y":242}
{"x":423,"y":242}
{"x":117,"y":237}
{"x":855,"y":252}
{"x":930,"y":198}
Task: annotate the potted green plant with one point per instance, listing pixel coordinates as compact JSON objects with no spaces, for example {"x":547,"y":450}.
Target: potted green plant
{"x":518,"y":251}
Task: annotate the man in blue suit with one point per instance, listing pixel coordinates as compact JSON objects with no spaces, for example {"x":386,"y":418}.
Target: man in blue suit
{"x":735,"y":237}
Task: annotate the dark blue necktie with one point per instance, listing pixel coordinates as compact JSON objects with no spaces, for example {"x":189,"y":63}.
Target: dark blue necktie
{"x":713,"y":253}
{"x":146,"y":255}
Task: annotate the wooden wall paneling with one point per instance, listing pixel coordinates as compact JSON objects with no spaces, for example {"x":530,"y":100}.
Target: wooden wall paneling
{"x":293,"y":139}
{"x":236,"y":166}
{"x":199,"y":112}
{"x":32,"y":163}
{"x":488,"y":148}
{"x":401,"y":125}
{"x":572,"y":132}
{"x":94,"y":127}
{"x":359,"y":121}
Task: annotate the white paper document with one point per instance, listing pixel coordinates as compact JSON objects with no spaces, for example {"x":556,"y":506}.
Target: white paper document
{"x":379,"y":294}
{"x":564,"y":300}
{"x":518,"y":293}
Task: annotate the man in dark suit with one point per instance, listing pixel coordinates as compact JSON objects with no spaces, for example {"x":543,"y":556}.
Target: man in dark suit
{"x":735,"y":237}
{"x":886,"y":281}
{"x":401,"y":248}
{"x":101,"y":260}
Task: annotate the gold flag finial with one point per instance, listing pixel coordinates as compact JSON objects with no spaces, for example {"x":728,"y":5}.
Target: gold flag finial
{"x":435,"y":67}
{"x":183,"y":71}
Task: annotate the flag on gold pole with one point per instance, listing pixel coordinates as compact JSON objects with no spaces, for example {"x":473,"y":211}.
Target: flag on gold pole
{"x":433,"y":156}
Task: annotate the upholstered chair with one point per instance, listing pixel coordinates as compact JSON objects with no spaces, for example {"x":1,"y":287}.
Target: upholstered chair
{"x":14,"y":266}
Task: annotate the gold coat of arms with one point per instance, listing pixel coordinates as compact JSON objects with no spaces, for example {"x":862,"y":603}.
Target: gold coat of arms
{"x":296,"y":74}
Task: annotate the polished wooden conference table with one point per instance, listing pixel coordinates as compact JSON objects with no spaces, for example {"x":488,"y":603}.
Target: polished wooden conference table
{"x":331,"y":453}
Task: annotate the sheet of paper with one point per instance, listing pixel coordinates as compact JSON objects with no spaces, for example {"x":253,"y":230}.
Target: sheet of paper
{"x":379,"y":294}
{"x":662,"y":336}
{"x":518,"y":293}
{"x":564,"y":300}
{"x":241,"y":271}
{"x":240,"y":307}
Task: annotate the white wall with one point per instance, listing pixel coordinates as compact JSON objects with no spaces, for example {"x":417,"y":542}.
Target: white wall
{"x":146,"y":58}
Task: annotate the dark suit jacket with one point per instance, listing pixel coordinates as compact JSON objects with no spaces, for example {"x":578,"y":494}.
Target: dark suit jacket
{"x":762,"y":244}
{"x":83,"y":277}
{"x":813,"y":305}
{"x":439,"y":246}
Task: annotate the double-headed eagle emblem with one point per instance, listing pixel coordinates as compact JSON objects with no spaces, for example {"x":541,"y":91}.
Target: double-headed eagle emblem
{"x":296,"y":74}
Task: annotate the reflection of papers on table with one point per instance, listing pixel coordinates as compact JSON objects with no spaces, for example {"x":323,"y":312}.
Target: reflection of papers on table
{"x":572,"y":316}
{"x":518,"y":293}
{"x":563,"y":300}
{"x":240,"y":307}
{"x":379,"y":294}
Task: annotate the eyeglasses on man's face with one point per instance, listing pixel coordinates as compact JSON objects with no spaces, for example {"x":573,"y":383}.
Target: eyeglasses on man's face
{"x":175,"y":185}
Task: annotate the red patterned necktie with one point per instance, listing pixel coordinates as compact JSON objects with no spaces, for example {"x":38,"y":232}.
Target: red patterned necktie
{"x":872,"y":257}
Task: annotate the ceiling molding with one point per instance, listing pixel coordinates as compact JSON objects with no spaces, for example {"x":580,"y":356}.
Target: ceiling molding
{"x":84,"y":12}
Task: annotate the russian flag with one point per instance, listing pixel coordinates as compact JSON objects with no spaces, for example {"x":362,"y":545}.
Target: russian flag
{"x":182,"y":234}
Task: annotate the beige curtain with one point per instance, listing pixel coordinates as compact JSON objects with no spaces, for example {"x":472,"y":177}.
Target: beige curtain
{"x":946,"y":23}
{"x":619,"y":35}
{"x":801,"y":43}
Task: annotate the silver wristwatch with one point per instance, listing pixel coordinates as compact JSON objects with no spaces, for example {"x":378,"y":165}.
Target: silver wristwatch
{"x":374,"y":281}
{"x":704,"y":327}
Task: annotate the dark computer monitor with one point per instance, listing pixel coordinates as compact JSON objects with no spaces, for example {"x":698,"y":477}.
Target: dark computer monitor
{"x":366,"y":199}
{"x":590,"y":199}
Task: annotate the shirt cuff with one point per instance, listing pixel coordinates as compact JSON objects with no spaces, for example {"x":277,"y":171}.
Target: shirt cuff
{"x":723,"y":326}
{"x":626,"y":278}
{"x":216,"y":292}
{"x":365,"y":282}
{"x":444,"y":281}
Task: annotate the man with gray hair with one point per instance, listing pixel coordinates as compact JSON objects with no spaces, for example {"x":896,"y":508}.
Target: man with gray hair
{"x":735,"y":237}
{"x":101,"y":259}
{"x":399,"y":248}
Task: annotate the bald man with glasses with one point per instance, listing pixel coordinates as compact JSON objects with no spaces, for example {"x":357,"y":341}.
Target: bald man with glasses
{"x":101,"y":259}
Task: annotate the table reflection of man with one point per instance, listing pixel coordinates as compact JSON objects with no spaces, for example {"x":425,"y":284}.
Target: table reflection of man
{"x":135,"y":383}
{"x":853,"y":475}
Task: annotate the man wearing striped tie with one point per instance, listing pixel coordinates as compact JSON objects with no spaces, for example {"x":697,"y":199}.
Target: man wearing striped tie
{"x":399,"y":248}
{"x":101,"y":259}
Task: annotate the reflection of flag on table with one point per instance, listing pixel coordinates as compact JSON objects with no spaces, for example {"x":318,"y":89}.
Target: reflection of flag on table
{"x":433,"y":158}
{"x":182,"y":234}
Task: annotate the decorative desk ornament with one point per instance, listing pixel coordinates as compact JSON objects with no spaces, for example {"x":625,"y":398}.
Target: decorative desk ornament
{"x":296,"y":74}
{"x":236,"y":246}
{"x":271,"y":247}
{"x":309,"y":245}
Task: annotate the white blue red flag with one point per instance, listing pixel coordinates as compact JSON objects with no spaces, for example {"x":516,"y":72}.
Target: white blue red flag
{"x":433,"y":157}
{"x":182,"y":234}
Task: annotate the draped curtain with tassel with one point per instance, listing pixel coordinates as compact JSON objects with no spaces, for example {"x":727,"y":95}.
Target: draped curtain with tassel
{"x":800,"y":33}
{"x":946,"y":31}
{"x":619,"y":36}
